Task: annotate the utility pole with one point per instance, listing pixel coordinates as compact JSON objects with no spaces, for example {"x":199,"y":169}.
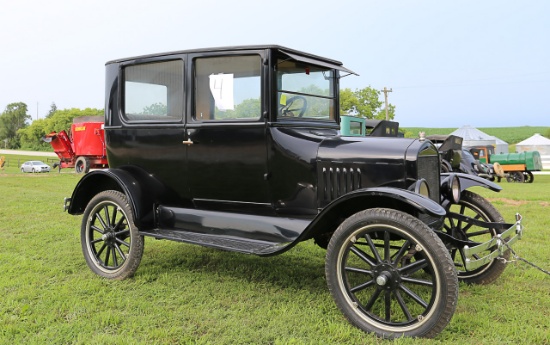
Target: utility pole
{"x":385,"y":91}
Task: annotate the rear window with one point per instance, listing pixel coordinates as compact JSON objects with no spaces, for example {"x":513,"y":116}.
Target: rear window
{"x":154,"y":91}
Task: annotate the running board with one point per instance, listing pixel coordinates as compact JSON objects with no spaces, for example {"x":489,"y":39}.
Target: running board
{"x":241,"y":245}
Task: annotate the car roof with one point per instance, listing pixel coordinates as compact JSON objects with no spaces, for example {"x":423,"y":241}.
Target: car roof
{"x":227,"y":49}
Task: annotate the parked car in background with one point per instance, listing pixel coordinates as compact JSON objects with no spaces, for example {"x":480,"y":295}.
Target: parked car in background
{"x":455,"y":158}
{"x":35,"y":167}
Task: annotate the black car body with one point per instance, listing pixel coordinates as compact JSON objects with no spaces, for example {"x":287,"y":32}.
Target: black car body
{"x":458,"y":159}
{"x":239,"y":148}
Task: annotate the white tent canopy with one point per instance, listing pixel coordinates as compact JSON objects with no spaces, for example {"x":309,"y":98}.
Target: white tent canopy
{"x":537,"y":143}
{"x":474,"y":137}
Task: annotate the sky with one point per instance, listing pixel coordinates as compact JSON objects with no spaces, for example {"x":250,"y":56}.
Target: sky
{"x":449,"y":63}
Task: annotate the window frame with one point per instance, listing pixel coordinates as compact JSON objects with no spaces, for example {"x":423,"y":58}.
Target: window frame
{"x":284,"y":56}
{"x":192,"y":58}
{"x":153,"y":119}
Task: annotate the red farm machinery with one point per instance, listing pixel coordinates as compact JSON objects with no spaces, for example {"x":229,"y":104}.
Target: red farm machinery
{"x":83,"y":148}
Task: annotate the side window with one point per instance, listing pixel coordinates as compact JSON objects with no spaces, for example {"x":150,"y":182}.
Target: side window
{"x":154,"y":91}
{"x":227,"y":88}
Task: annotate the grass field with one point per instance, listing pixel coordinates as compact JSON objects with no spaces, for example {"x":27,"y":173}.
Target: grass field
{"x":184,"y":294}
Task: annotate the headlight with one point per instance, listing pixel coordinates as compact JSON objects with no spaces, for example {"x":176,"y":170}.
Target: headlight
{"x":450,"y":188}
{"x":421,"y":187}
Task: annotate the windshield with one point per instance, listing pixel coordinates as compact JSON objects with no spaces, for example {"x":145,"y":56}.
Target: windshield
{"x":305,"y":91}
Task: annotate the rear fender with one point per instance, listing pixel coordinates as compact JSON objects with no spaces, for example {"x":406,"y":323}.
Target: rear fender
{"x":109,"y":179}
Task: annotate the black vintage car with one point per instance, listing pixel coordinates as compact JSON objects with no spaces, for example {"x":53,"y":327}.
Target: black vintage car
{"x":240,"y":149}
{"x":456,"y":158}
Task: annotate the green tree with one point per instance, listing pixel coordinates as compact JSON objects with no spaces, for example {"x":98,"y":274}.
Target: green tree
{"x":58,"y":120}
{"x":155,"y":109}
{"x":53,"y":109}
{"x":13,"y":119}
{"x":248,"y":108}
{"x":62,"y":119}
{"x":365,"y":103}
{"x":31,"y":136}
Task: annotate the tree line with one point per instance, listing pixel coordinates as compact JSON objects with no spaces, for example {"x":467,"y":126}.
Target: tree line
{"x":18,"y":132}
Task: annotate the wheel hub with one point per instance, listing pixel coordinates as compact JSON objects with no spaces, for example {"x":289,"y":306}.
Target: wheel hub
{"x":386,"y":276}
{"x":108,"y":237}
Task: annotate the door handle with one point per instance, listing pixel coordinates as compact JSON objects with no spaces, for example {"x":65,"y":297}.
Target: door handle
{"x":187,"y":142}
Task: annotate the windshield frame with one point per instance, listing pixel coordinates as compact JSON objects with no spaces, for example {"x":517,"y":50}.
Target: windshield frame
{"x":322,"y":99}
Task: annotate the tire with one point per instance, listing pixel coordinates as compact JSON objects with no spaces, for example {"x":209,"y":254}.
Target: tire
{"x":110,"y":241}
{"x":477,"y":207}
{"x":529,"y":177}
{"x":497,"y":168}
{"x":446,"y":166}
{"x":515,"y":176}
{"x":391,"y":275}
{"x":82,"y":165}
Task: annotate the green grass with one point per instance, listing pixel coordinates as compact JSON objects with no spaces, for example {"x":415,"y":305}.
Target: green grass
{"x":511,"y":135}
{"x":184,"y":294}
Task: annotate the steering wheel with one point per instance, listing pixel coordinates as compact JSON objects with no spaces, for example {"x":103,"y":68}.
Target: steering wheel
{"x":287,"y":110}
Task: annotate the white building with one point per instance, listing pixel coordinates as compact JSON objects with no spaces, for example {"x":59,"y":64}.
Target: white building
{"x":474,"y":137}
{"x":537,"y":143}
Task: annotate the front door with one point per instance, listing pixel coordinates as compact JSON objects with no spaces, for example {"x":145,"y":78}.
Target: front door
{"x":226,"y":134}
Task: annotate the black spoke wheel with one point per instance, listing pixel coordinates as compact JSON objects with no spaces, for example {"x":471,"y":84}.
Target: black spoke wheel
{"x":528,"y":176}
{"x":391,"y":275}
{"x":515,"y":176}
{"x":110,"y":241}
{"x":474,"y":206}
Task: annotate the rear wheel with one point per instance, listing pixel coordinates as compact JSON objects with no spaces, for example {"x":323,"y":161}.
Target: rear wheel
{"x":474,"y":206}
{"x":529,"y":177}
{"x":515,"y":176}
{"x":82,"y":165}
{"x":110,"y":241}
{"x":391,"y":275}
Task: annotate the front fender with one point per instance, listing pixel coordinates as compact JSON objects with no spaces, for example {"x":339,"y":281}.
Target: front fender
{"x":333,"y":214}
{"x":468,"y":181}
{"x":380,"y":196}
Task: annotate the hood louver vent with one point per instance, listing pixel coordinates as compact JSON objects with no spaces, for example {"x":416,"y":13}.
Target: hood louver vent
{"x":337,"y":181}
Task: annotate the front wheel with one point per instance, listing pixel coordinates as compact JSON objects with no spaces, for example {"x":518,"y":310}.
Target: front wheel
{"x":391,"y":275}
{"x":110,"y":241}
{"x":475,"y":206}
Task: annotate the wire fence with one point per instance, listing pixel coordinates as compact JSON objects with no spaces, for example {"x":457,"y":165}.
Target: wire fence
{"x":10,"y":162}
